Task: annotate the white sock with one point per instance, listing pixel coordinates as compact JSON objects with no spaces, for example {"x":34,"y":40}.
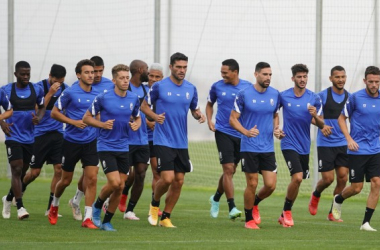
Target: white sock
{"x":78,"y":197}
{"x":87,"y":213}
{"x":55,"y":201}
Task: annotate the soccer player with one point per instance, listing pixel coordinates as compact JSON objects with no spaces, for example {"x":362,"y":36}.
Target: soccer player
{"x":227,"y":139}
{"x":300,"y":108}
{"x":257,"y":107}
{"x":331,"y":144}
{"x":19,"y":131}
{"x":101,"y":84}
{"x":172,"y":97}
{"x":79,"y":140}
{"x":362,"y":108}
{"x":115,"y":108}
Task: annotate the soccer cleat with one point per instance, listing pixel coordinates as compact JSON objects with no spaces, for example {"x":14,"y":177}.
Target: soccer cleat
{"x":251,"y":225}
{"x":214,"y":210}
{"x":6,"y":208}
{"x":313,"y":204}
{"x":77,"y":214}
{"x":166,"y":223}
{"x":336,"y":209}
{"x":153,"y":215}
{"x":105,"y":205}
{"x":367,"y":227}
{"x":131,"y":216}
{"x":47,"y":213}
{"x":234,"y":213}
{"x":87,"y":223}
{"x":256,"y":215}
{"x":122,"y":204}
{"x":330,"y":217}
{"x":53,"y":215}
{"x":22,"y":213}
{"x":282,"y":222}
{"x":288,"y":218}
{"x":108,"y":227}
{"x":96,"y":212}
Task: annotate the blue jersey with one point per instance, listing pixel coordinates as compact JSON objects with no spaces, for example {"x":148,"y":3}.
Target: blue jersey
{"x":104,"y":85}
{"x":112,"y":106}
{"x":364,"y":113}
{"x":23,"y":101}
{"x":336,"y":139}
{"x":257,"y":108}
{"x":75,"y":102}
{"x":224,"y":94}
{"x":139,"y":137}
{"x":47,"y":123}
{"x":297,"y":119}
{"x":175,"y":101}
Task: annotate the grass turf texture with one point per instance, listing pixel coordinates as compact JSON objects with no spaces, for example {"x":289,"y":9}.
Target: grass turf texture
{"x":196,"y":229}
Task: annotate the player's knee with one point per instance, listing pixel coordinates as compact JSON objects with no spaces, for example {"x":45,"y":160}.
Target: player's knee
{"x":375,"y":183}
{"x":116,"y":185}
{"x":91,"y":180}
{"x":342,"y":180}
{"x":328,"y":180}
{"x":297,"y":179}
{"x":358,"y":189}
{"x":66,"y":181}
{"x":35,"y":173}
{"x":270,"y":186}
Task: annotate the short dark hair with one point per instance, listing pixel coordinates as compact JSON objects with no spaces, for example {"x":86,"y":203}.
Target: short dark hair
{"x":297,"y":68}
{"x":22,"y":64}
{"x":261,"y":65}
{"x":336,"y":68}
{"x":232,"y":64}
{"x":58,"y":71}
{"x":371,"y":70}
{"x":117,"y":68}
{"x":80,"y":64}
{"x":178,"y":57}
{"x":97,"y":60}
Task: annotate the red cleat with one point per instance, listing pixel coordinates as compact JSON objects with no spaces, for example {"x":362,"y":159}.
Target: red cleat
{"x":313,"y":204}
{"x":87,"y":223}
{"x":256,"y":215}
{"x":330,"y":217}
{"x":251,"y":225}
{"x":53,"y":215}
{"x":288,"y":218}
{"x":281,"y":221}
{"x":122,"y":204}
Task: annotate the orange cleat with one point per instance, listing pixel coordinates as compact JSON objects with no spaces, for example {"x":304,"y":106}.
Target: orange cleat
{"x":281,"y":221}
{"x":288,"y":218}
{"x":87,"y":223}
{"x":251,"y":225}
{"x":53,"y":215}
{"x":122,"y":204}
{"x":330,"y":217}
{"x":313,"y":204}
{"x":256,"y":215}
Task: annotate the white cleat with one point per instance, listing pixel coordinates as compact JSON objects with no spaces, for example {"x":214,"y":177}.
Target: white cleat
{"x":6,"y":208}
{"x":131,"y":216}
{"x":336,"y":209}
{"x":22,"y":213}
{"x":77,"y":214}
{"x":367,"y":227}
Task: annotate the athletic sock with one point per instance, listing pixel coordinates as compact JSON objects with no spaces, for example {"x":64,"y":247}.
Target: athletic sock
{"x":339,"y":199}
{"x":331,"y":207}
{"x":217,"y":196}
{"x":50,"y":200}
{"x":248,"y":214}
{"x":126,"y":190}
{"x":368,"y":214}
{"x":288,"y":204}
{"x":78,"y":197}
{"x":155,"y":203}
{"x":19,"y":203}
{"x":316,"y":193}
{"x":165,"y":215}
{"x":99,"y":203}
{"x":23,"y":186}
{"x":231,"y":203}
{"x":131,"y":206}
{"x":10,"y":195}
{"x":87,"y":213}
{"x":107,"y":217}
{"x":257,"y":200}
{"x":55,"y":202}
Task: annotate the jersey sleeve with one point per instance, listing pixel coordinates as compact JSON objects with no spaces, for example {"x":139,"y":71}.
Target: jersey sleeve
{"x":136,"y":109}
{"x":239,"y":102}
{"x":212,"y":95}
{"x":277,"y":103}
{"x":194,"y":101}
{"x":40,"y":95}
{"x":63,"y":100}
{"x":349,"y":107}
{"x":96,"y":105}
{"x":4,"y":101}
{"x":153,"y":94}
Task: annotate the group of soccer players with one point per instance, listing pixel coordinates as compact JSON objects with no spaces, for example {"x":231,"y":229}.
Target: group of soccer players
{"x":104,"y":127}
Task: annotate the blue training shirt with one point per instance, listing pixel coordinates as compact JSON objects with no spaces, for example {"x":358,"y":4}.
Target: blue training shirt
{"x":175,"y":101}
{"x":297,"y":119}
{"x":112,"y":106}
{"x":364,"y":113}
{"x":224,"y":94}
{"x":257,"y":108}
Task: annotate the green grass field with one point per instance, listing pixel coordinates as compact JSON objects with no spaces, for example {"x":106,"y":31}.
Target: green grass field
{"x":196,"y":229}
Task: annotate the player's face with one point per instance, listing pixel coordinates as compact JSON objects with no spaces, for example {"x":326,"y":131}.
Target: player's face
{"x":23,"y":76}
{"x":98,"y":73}
{"x":154,"y":76}
{"x":263,"y":77}
{"x":87,"y":75}
{"x":338,"y":79}
{"x":144,"y":74}
{"x":228,"y":75}
{"x":121,"y":80}
{"x":300,"y":80}
{"x":178,"y":69}
{"x":372,"y":84}
{"x":53,"y":80}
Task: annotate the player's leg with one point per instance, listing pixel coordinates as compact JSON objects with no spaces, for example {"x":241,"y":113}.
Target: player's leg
{"x":249,"y":197}
{"x":127,"y":185}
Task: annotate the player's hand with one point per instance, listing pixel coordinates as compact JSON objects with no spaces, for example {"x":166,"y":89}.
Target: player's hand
{"x":202,"y":118}
{"x":80,"y":124}
{"x":160,"y":118}
{"x":326,"y":131}
{"x":150,"y":124}
{"x":352,"y":145}
{"x":134,"y":126}
{"x":54,"y":88}
{"x":278,"y":133}
{"x":6,"y":127}
{"x":35,"y":119}
{"x":312,"y":110}
{"x":108,"y":124}
{"x":253,"y":132}
{"x":211,"y":126}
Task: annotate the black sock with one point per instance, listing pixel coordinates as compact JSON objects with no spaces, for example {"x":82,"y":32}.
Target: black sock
{"x":368,"y":214}
{"x":23,"y":186}
{"x":316,"y":193}
{"x":19,"y":203}
{"x":107,"y":217}
{"x":126,"y":190}
{"x":231,"y":203}
{"x":155,"y":203}
{"x":131,"y":206}
{"x":10,"y":195}
{"x":248,"y":214}
{"x":165,"y":215}
{"x":288,"y":204}
{"x":99,"y":203}
{"x":339,"y":199}
{"x":257,"y":200}
{"x":217,"y":196}
{"x":152,"y":195}
{"x":50,"y":200}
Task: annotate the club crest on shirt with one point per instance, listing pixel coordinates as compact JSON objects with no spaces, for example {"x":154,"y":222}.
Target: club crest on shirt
{"x":131,"y":106}
{"x":223,"y":93}
{"x":364,"y":105}
{"x":187,"y":95}
{"x":271,"y":102}
{"x":254,"y":101}
{"x":289,"y":104}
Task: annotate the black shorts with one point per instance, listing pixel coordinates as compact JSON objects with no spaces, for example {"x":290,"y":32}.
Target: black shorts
{"x":151,"y":150}
{"x":138,"y":154}
{"x":228,"y":147}
{"x":73,"y":152}
{"x":360,"y":165}
{"x":47,"y":147}
{"x":19,"y":151}
{"x":112,"y":161}
{"x":297,"y":163}
{"x":173,"y":159}
{"x":331,"y":157}
{"x":257,"y":162}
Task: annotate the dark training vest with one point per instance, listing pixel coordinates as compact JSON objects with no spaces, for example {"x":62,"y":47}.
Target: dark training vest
{"x":332,"y":109}
{"x":23,"y":104}
{"x":145,"y":93}
{"x":52,"y":99}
